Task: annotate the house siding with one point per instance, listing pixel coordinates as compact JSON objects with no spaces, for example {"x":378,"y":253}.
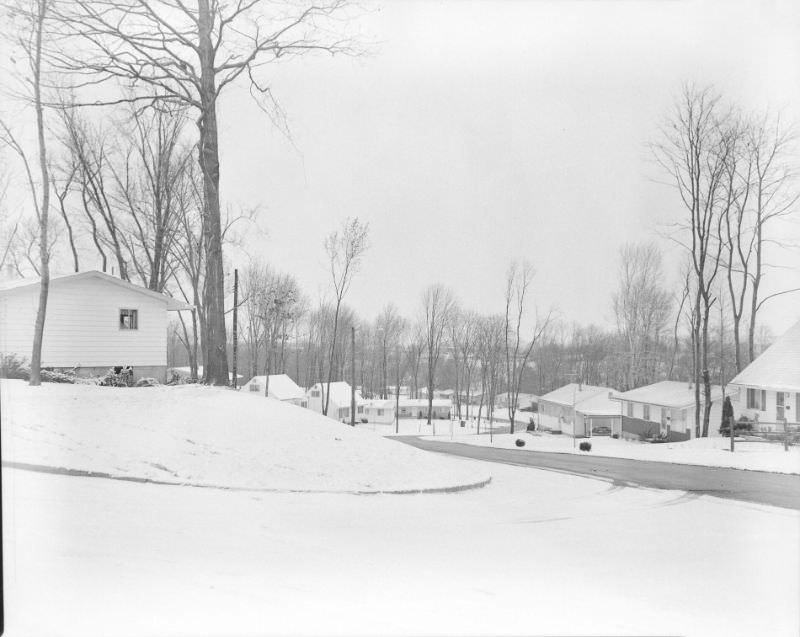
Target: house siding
{"x":82,"y":326}
{"x":768,"y":414}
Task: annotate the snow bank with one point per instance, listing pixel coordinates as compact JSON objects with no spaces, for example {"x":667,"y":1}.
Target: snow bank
{"x":210,"y":436}
{"x":711,"y":452}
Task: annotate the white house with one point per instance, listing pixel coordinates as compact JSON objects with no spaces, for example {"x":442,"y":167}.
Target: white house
{"x":94,"y":321}
{"x":418,"y":408}
{"x":338,"y":403}
{"x":666,"y":409}
{"x":280,"y":387}
{"x":380,"y":412}
{"x":768,"y":389}
{"x":576,"y":408}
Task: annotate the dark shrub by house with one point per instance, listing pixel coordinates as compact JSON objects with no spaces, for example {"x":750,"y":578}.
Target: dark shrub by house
{"x":585,"y":446}
{"x":520,"y":442}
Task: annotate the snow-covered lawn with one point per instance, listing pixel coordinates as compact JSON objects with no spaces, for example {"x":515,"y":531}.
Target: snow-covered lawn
{"x":711,"y":452}
{"x":209,"y":436}
{"x":533,"y":553}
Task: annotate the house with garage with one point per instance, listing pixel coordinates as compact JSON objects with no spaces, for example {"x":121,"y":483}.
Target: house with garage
{"x":441,"y":408}
{"x":666,"y":410}
{"x":94,"y":321}
{"x":338,"y":403}
{"x":598,"y":416}
{"x":280,"y":387}
{"x":768,"y":389}
{"x":560,"y":409}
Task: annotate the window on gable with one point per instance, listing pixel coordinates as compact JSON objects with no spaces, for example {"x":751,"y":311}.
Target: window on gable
{"x":315,"y":393}
{"x":255,"y":387}
{"x":129,"y":319}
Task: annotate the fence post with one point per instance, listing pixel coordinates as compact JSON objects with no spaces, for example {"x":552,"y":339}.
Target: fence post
{"x":785,"y":435}
{"x":731,"y":423}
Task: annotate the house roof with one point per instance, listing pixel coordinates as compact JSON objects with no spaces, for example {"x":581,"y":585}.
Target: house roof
{"x":17,"y":284}
{"x":340,"y":393}
{"x":381,"y":404}
{"x":778,"y":368}
{"x":667,"y":393}
{"x":281,"y":387}
{"x":599,"y":405}
{"x":573,"y":394}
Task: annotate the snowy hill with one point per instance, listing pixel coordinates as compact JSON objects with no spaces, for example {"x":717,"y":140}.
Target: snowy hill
{"x":209,"y":436}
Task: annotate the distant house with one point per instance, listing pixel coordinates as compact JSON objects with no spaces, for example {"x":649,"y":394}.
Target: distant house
{"x":94,"y":321}
{"x":380,"y":412}
{"x":576,"y":408}
{"x":418,"y":408}
{"x":524,"y":401}
{"x":338,"y":403}
{"x":666,"y":409}
{"x":768,"y":389}
{"x":281,"y":387}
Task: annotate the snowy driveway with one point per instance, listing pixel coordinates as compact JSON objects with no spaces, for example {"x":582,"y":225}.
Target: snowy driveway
{"x":775,"y":489}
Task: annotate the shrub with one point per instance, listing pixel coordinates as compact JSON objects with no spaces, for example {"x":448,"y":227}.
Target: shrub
{"x":147,"y":382}
{"x":51,"y":376}
{"x":520,"y":442}
{"x":743,"y":424}
{"x":117,"y":377}
{"x":12,"y":366}
{"x":615,"y":436}
{"x":585,"y":446}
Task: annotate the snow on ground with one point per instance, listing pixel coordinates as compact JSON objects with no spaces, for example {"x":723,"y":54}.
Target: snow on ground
{"x":533,"y":553}
{"x":711,"y":452}
{"x":210,"y":436}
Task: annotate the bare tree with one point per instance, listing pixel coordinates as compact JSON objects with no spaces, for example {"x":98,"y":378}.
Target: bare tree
{"x":694,"y":152}
{"x":490,"y":350}
{"x":345,"y":249}
{"x":29,"y":35}
{"x":414,"y":349}
{"x":388,"y":327}
{"x":189,"y":54}
{"x":641,"y":309}
{"x":518,"y":280}
{"x":438,"y":305}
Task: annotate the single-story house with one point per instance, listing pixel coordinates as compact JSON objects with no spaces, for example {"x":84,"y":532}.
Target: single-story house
{"x":441,"y":408}
{"x":94,"y":321}
{"x":338,"y":403}
{"x":558,"y":409}
{"x":666,"y":409}
{"x":380,"y":412}
{"x":524,"y":401}
{"x":280,"y":387}
{"x":768,"y":389}
{"x":598,"y":412}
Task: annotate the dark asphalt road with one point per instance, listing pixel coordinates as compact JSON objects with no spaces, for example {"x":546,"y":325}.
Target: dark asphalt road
{"x":776,"y":489}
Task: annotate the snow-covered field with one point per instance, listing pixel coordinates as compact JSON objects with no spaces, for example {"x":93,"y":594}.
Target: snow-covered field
{"x":209,"y":436}
{"x":533,"y":552}
{"x":711,"y":452}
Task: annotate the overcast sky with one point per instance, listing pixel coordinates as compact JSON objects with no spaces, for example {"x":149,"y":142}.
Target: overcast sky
{"x":474,"y":133}
{"x":480,"y":132}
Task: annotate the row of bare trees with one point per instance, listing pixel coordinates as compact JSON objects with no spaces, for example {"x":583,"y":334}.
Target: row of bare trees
{"x":735,"y":176}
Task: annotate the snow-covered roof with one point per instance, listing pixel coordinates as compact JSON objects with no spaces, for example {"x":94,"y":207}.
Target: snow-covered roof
{"x":599,"y":405}
{"x":667,"y":393}
{"x":381,"y":404}
{"x":423,"y":402}
{"x":16,"y":284}
{"x":340,"y":393}
{"x":573,"y":394}
{"x":778,"y":368}
{"x":281,"y":387}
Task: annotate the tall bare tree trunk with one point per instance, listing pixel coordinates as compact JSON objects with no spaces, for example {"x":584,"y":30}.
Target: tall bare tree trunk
{"x":44,"y":256}
{"x":215,"y":360}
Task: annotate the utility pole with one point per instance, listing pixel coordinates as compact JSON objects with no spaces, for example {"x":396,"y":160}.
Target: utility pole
{"x":235,"y":323}
{"x":353,"y":375}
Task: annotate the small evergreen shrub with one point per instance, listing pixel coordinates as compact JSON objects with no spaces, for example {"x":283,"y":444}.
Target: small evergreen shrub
{"x":520,"y":442}
{"x":117,"y":377}
{"x":615,"y":436}
{"x":50,"y":376}
{"x":585,"y":446}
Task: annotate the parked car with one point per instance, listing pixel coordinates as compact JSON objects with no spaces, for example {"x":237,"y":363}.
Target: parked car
{"x":601,"y":430}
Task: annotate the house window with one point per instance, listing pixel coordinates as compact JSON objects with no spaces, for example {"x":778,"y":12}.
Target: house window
{"x":344,"y":412}
{"x":129,"y":319}
{"x":630,"y":409}
{"x":360,"y":409}
{"x":756,"y":399}
{"x":646,"y":412}
{"x":380,"y":412}
{"x":255,"y":387}
{"x":314,"y":393}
